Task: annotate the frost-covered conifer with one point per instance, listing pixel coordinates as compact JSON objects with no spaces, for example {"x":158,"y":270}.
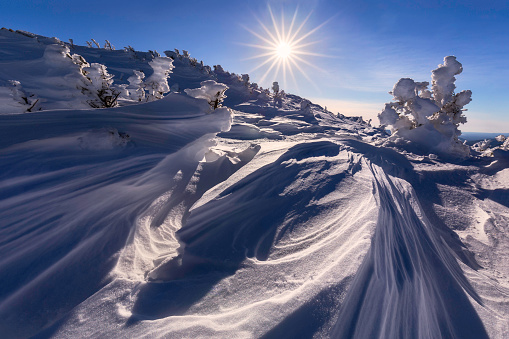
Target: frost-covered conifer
{"x":211,"y":91}
{"x":429,"y":118}
{"x":157,"y":83}
{"x":136,"y":87}
{"x":275,"y":88}
{"x":100,"y":87}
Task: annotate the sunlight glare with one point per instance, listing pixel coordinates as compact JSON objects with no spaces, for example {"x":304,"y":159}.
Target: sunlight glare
{"x":284,"y":48}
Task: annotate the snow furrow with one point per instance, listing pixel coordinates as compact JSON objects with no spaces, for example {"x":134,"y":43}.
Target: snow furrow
{"x":409,"y":285}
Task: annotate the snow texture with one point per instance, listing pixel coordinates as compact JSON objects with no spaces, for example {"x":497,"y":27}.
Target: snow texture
{"x":168,"y":219}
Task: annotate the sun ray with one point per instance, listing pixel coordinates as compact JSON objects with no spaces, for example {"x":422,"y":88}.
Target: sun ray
{"x":292,"y":38}
{"x":290,"y":69}
{"x":275,"y":25}
{"x":257,"y":46}
{"x":263,"y":63}
{"x":258,"y":56}
{"x":293,"y":22}
{"x":311,"y":32}
{"x":313,"y":54}
{"x":284,"y":72}
{"x":304,"y":61}
{"x":278,"y":67}
{"x":274,"y":39}
{"x":304,"y":74}
{"x":260,"y":37}
{"x":307,"y":44}
{"x":283,"y":27}
{"x":268,"y":71}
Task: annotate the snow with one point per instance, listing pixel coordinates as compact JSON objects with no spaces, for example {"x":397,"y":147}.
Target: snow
{"x":267,"y":217}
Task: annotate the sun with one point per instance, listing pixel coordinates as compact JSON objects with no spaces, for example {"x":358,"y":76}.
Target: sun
{"x":284,"y":48}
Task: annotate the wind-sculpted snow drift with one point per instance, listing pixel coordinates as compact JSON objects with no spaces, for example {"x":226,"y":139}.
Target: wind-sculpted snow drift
{"x":272,"y":218}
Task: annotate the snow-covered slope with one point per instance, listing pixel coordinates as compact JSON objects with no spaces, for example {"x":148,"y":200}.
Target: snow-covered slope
{"x":271,"y":218}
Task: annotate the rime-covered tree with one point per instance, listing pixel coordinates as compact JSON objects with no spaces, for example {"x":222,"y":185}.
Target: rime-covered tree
{"x":429,"y":118}
{"x":136,"y":86}
{"x":100,"y":87}
{"x":157,"y":83}
{"x":211,"y":91}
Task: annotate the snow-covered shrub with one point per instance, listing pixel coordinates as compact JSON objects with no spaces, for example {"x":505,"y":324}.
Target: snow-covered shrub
{"x":218,"y":69}
{"x":132,"y":53}
{"x":154,"y":54}
{"x":211,"y":91}
{"x":275,"y":88}
{"x":14,"y":99}
{"x":481,"y":146}
{"x":171,"y":54}
{"x":136,"y":87}
{"x":95,"y":43}
{"x":103,"y":139}
{"x":429,"y":118}
{"x":109,"y":46}
{"x":245,"y":79}
{"x":87,"y":84}
{"x":100,"y":86}
{"x":305,"y":105}
{"x":157,"y":83}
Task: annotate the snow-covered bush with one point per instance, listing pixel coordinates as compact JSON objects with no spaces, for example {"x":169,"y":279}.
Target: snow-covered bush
{"x":218,"y":69}
{"x":136,"y":87}
{"x":96,"y":43}
{"x":132,"y":53}
{"x":109,"y":46}
{"x":483,"y":147}
{"x":305,"y":105}
{"x":275,"y":88}
{"x":87,"y":85}
{"x":211,"y":91}
{"x":14,"y":99}
{"x":429,"y":118}
{"x":100,"y":87}
{"x":245,"y":79}
{"x":157,"y":83}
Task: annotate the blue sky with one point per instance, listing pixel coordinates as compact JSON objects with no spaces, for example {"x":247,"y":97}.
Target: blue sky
{"x":368,"y":45}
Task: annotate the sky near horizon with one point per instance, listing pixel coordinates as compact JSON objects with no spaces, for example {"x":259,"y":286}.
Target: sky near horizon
{"x":355,"y":51}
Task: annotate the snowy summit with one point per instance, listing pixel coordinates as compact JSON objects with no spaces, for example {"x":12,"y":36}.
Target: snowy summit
{"x":152,"y":196}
